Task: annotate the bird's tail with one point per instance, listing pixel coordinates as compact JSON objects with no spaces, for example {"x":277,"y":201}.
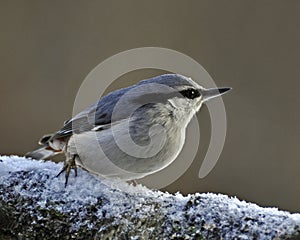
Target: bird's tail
{"x":41,"y":153}
{"x":44,"y":152}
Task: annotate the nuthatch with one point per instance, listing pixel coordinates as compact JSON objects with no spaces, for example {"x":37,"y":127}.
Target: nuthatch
{"x":131,"y":132}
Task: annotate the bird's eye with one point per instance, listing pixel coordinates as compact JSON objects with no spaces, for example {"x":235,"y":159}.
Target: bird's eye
{"x":190,"y":93}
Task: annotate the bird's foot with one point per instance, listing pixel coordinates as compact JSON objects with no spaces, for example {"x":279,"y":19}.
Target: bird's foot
{"x":132,"y":182}
{"x":68,"y":165}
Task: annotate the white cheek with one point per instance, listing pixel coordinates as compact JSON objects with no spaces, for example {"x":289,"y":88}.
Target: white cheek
{"x":172,"y":103}
{"x":179,"y":103}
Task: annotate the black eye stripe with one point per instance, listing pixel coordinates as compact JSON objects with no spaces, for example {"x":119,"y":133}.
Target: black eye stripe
{"x":190,"y":93}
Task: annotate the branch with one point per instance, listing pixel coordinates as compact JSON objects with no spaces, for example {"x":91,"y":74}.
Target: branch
{"x":35,"y":205}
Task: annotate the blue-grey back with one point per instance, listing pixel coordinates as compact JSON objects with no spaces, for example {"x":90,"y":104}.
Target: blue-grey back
{"x":101,"y":112}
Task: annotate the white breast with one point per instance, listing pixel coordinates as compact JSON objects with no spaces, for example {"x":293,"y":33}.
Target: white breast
{"x":100,"y":154}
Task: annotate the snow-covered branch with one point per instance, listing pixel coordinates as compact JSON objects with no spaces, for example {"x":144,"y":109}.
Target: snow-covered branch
{"x":36,"y":205}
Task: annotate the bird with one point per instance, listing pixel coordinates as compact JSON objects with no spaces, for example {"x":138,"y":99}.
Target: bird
{"x":131,"y":132}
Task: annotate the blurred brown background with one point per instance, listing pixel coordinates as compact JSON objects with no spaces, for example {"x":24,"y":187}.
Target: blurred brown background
{"x":48,"y":47}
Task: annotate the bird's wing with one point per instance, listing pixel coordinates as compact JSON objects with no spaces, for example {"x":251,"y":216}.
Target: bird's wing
{"x":98,"y":114}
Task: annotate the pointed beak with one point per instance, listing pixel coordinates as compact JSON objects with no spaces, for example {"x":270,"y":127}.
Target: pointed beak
{"x":208,"y":94}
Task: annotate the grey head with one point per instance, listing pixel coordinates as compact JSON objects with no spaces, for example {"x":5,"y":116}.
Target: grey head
{"x":168,"y":95}
{"x":182,"y":93}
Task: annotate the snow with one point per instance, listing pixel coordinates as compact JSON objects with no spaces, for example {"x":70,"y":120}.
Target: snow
{"x":88,"y":195}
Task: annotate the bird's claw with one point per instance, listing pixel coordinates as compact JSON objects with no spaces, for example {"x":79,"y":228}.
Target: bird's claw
{"x":68,"y":165}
